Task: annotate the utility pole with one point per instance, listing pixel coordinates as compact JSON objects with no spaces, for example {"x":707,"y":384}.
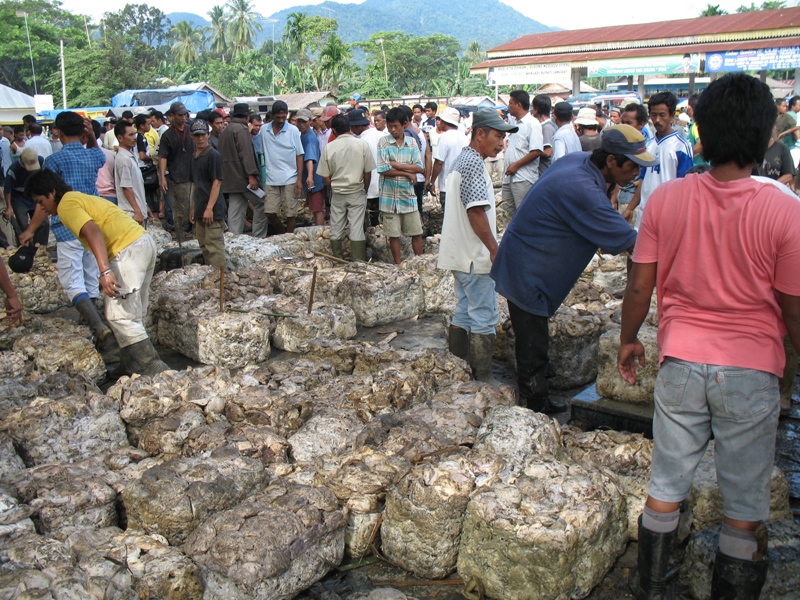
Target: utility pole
{"x":30,"y":50}
{"x":63,"y":79}
{"x":385,"y":69}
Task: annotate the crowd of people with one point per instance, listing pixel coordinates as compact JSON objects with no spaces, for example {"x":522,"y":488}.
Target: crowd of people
{"x":710,"y":221}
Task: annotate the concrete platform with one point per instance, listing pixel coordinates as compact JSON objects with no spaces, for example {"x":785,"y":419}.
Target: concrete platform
{"x":595,"y":412}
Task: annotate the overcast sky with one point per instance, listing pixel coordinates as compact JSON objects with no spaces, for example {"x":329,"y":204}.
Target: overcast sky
{"x":575,"y":14}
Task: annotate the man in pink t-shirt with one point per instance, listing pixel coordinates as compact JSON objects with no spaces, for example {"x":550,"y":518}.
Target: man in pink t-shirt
{"x":723,"y":251}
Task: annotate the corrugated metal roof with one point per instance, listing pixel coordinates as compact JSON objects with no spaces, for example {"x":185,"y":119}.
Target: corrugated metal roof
{"x":746,"y":23}
{"x":582,"y":57}
{"x":11,"y":98}
{"x":300,"y":100}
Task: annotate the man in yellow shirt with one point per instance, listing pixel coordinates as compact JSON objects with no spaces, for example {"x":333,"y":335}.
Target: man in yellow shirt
{"x":125,"y":254}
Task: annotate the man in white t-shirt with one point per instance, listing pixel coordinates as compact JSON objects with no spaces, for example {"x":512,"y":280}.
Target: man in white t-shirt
{"x":523,"y":152}
{"x":38,"y":142}
{"x":451,"y":141}
{"x":469,"y":244}
{"x":371,"y":136}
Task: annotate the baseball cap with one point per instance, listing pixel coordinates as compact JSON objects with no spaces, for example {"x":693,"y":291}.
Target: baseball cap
{"x":22,"y":260}
{"x":316,"y":112}
{"x":615,"y":109}
{"x":329,"y":112}
{"x":488,"y":117}
{"x":178,"y":108}
{"x":279,"y":106}
{"x":627,"y":140}
{"x":29,"y":159}
{"x":303,"y":115}
{"x":587,"y":116}
{"x":449,"y":115}
{"x":199,"y":127}
{"x":356,"y":117}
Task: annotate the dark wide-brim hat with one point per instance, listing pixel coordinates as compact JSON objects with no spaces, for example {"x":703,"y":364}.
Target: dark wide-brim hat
{"x":240,"y":109}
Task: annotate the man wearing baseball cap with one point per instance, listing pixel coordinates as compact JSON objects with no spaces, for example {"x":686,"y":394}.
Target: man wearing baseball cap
{"x":469,"y":243}
{"x":18,"y":203}
{"x":565,"y":218}
{"x":314,"y":186}
{"x":208,"y":204}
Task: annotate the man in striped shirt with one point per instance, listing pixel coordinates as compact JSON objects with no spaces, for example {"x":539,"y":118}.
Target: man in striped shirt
{"x":399,"y":161}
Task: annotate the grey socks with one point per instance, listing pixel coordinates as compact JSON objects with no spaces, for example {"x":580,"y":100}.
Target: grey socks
{"x":737,"y":543}
{"x":660,"y":522}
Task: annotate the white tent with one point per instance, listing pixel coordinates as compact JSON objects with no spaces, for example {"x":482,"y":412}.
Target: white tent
{"x":14,"y":105}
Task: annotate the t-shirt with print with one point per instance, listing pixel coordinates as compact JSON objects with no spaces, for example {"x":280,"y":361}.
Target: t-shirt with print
{"x":468,"y":185}
{"x":675,"y":158}
{"x":723,"y":249}
{"x":205,"y":169}
{"x":777,"y":162}
{"x":142,"y":146}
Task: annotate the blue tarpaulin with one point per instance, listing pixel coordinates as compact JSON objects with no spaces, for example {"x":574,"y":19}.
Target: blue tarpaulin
{"x":195,"y":100}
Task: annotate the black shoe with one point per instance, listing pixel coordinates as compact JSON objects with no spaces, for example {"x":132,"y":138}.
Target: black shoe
{"x":737,"y":579}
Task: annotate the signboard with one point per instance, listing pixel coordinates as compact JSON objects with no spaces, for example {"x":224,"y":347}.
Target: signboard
{"x":648,"y":65}
{"x":753,"y":60}
{"x":544,"y":73}
{"x":42,"y":102}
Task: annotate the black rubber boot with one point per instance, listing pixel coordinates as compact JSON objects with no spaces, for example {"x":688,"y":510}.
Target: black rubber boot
{"x":648,"y":581}
{"x":481,"y":348}
{"x":459,"y":342}
{"x":87,"y":310}
{"x":336,"y":248}
{"x":536,"y":395}
{"x":142,"y":358}
{"x":737,"y":579}
{"x":359,"y":250}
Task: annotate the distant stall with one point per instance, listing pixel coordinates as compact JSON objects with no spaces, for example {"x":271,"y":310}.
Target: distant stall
{"x":160,"y":99}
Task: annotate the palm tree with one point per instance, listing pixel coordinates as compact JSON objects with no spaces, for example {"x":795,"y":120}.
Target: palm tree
{"x":334,"y":64}
{"x":216,"y":31}
{"x":188,"y":43}
{"x":243,"y":25}
{"x":296,"y":37}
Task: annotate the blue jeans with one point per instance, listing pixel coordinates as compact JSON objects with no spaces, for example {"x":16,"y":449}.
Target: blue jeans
{"x":741,"y":408}
{"x":476,"y":302}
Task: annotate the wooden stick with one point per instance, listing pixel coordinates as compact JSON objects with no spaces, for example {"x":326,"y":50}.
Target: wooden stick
{"x":258,"y":312}
{"x":412,"y":583}
{"x":222,"y":289}
{"x":389,"y":338}
{"x":313,"y":285}
{"x":329,"y":257}
{"x":371,"y":541}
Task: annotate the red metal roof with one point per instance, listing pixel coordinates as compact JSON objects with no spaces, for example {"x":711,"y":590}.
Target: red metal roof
{"x":635,"y":52}
{"x":725,"y":24}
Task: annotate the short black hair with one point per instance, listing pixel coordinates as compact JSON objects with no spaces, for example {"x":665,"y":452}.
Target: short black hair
{"x":280,"y":106}
{"x":419,"y":106}
{"x":70,"y":123}
{"x":140,"y":120}
{"x":641,"y":112}
{"x":735,"y":116}
{"x":667,"y":98}
{"x":563,"y":111}
{"x":397,"y":115}
{"x":119,"y":128}
{"x":600,"y":156}
{"x":127,"y":114}
{"x":29,"y":119}
{"x":385,"y":107}
{"x":432,"y":105}
{"x":794,"y":100}
{"x":96,"y":128}
{"x":379,"y":113}
{"x":778,"y":101}
{"x":157,"y":114}
{"x":693,"y":100}
{"x":213,"y":116}
{"x":340,"y":124}
{"x":408,"y":112}
{"x":542,"y":105}
{"x":35,"y":129}
{"x":19,"y":129}
{"x":254,"y":117}
{"x":44,"y":181}
{"x":522,"y":98}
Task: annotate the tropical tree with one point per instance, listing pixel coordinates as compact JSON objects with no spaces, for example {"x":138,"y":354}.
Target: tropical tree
{"x":767,"y":5}
{"x":188,"y":43}
{"x":216,"y":32}
{"x":712,"y":10}
{"x":473,"y":54}
{"x":334,"y":65}
{"x":296,"y":37}
{"x":243,"y":25}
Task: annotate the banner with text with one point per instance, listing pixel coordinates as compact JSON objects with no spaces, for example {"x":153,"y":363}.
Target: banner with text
{"x":649,"y":65}
{"x":753,"y":60}
{"x":544,"y":73}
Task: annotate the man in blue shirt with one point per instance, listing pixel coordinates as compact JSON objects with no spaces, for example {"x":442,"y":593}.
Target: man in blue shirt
{"x":564,"y":219}
{"x":77,"y":267}
{"x":283,"y":153}
{"x":314,"y":185}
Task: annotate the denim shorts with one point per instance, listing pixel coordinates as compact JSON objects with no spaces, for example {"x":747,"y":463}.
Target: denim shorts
{"x":741,"y":407}
{"x":476,"y":302}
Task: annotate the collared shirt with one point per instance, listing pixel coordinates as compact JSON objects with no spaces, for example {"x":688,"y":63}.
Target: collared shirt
{"x":5,"y":154}
{"x":78,"y":167}
{"x":548,"y":132}
{"x":526,"y":140}
{"x":281,"y":152}
{"x":311,"y":153}
{"x":397,"y":193}
{"x":565,"y":141}
{"x":345,"y":160}
{"x":372,"y":136}
{"x":127,"y":174}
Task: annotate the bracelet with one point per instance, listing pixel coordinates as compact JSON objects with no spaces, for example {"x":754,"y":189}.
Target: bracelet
{"x":106,"y":272}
